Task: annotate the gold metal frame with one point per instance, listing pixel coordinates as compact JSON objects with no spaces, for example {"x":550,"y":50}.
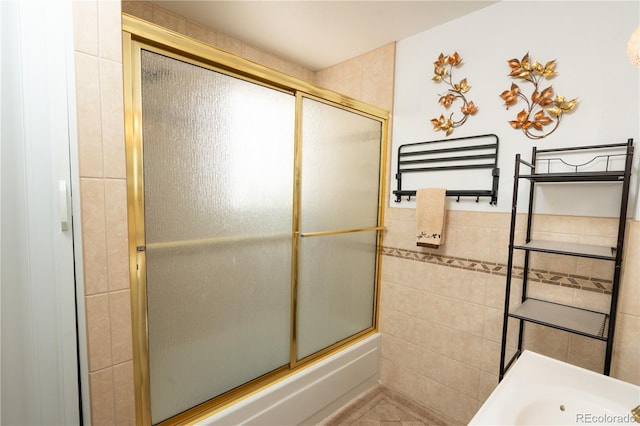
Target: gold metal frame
{"x":544,"y":108}
{"x":443,"y":72}
{"x":138,"y":33}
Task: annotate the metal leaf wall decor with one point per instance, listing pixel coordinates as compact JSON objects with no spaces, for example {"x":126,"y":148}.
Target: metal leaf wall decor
{"x":543,"y":111}
{"x":443,"y":72}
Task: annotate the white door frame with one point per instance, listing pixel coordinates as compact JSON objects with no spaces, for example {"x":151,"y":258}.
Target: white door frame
{"x":42,"y":285}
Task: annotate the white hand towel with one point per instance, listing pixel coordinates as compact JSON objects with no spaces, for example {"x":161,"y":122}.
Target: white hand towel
{"x":430,"y":216}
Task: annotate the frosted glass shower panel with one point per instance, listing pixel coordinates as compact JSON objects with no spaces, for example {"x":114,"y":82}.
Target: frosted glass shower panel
{"x":218,"y":177}
{"x":340,"y":168}
{"x":229,"y":141}
{"x":337,"y":289}
{"x":340,"y":175}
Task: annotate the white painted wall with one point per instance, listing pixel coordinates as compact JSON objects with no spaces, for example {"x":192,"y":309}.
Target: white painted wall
{"x":589,"y":41}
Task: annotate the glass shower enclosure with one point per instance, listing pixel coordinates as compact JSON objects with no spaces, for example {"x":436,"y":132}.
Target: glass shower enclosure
{"x":255,"y":225}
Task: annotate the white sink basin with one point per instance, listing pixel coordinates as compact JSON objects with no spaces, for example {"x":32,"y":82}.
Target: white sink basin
{"x":538,"y":390}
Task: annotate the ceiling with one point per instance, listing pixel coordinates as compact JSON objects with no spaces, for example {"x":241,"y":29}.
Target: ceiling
{"x":318,"y":34}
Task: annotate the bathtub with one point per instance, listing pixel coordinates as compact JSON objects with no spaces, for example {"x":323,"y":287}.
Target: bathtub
{"x":538,"y":390}
{"x":310,"y":395}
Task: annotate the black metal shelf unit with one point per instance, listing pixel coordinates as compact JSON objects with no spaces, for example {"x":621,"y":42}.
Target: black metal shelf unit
{"x":600,"y":168}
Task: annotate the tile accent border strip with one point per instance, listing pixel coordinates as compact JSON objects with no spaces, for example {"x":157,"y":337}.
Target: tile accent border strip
{"x":562,"y":279}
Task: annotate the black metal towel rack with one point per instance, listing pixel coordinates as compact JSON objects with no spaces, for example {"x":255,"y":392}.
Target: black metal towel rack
{"x":477,"y":154}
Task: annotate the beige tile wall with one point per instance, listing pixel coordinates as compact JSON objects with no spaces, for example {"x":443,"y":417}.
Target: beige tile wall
{"x":98,"y":63}
{"x":626,"y":352}
{"x":368,"y":77}
{"x":441,"y":325}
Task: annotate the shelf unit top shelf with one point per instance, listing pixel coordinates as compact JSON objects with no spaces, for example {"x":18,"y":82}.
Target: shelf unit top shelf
{"x":570,"y":249}
{"x":609,"y":176}
{"x":568,"y":318}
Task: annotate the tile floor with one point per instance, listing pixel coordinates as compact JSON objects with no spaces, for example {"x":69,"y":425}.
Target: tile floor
{"x":380,"y":406}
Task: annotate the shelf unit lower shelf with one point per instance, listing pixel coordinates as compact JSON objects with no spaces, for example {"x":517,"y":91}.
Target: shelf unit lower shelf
{"x":568,"y":318}
{"x":570,"y":249}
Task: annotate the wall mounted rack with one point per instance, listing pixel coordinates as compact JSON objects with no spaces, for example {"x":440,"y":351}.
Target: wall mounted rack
{"x":467,"y":153}
{"x":549,"y":166}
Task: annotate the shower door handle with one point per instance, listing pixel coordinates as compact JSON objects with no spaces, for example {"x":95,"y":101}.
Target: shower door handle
{"x":341,"y":231}
{"x":63,"y":195}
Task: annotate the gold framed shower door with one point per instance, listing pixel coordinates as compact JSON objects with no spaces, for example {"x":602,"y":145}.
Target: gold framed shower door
{"x":138,"y":34}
